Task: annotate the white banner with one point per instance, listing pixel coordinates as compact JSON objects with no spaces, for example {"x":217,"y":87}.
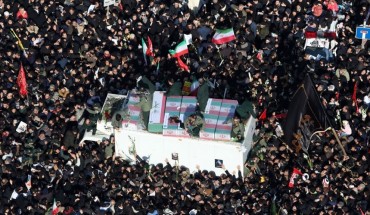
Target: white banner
{"x":22,"y":127}
{"x":109,"y":2}
{"x":316,"y":42}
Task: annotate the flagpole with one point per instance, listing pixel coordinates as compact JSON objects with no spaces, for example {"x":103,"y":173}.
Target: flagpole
{"x":20,"y":45}
{"x":196,"y":51}
{"x":340,"y":143}
{"x":225,"y":92}
{"x":219,"y":53}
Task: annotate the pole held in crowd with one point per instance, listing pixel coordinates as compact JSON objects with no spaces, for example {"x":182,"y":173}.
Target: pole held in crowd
{"x":338,"y":141}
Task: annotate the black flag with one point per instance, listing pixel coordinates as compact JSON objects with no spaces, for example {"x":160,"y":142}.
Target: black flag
{"x":305,"y":115}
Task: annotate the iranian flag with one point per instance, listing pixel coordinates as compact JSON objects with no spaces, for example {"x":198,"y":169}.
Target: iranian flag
{"x":55,"y":208}
{"x":181,"y":49}
{"x":145,"y":49}
{"x":223,"y":36}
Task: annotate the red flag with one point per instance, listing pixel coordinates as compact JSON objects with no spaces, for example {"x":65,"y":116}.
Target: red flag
{"x":149,"y":51}
{"x":21,"y":81}
{"x":182,"y":65}
{"x":263,"y":115}
{"x":295,"y":173}
{"x":354,"y":97}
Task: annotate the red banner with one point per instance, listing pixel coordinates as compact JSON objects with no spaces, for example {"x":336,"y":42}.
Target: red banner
{"x":21,"y":81}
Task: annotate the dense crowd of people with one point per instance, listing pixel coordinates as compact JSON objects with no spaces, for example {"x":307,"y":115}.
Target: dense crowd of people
{"x":75,"y":52}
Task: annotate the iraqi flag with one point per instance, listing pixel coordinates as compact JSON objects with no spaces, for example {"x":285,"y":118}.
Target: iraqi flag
{"x":55,"y":209}
{"x":313,"y":35}
{"x":223,"y":36}
{"x":295,"y":174}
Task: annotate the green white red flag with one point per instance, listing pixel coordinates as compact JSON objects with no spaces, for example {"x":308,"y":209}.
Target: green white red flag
{"x":181,"y":49}
{"x":223,"y":36}
{"x":55,"y":209}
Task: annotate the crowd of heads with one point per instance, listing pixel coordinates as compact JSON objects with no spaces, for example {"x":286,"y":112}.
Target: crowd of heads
{"x":76,"y":52}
